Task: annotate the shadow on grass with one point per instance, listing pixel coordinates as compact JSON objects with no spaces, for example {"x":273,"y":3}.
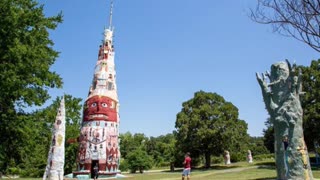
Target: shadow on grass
{"x":266,"y":165}
{"x":266,"y":178}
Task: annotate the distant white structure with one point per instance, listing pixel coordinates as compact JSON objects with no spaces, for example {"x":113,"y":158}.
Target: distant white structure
{"x":249,"y":157}
{"x":54,"y":168}
{"x":227,"y":157}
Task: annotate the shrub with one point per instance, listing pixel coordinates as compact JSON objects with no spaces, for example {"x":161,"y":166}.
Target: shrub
{"x":216,"y":159}
{"x":263,"y":157}
{"x":124,"y":166}
{"x":237,"y":156}
{"x":139,"y":160}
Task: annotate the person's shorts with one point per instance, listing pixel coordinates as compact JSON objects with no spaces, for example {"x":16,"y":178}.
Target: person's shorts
{"x":186,"y":172}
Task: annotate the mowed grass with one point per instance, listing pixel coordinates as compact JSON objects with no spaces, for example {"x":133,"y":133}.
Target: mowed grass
{"x":262,"y":170}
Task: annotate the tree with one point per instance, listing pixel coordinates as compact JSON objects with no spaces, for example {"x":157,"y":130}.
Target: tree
{"x":268,"y":136}
{"x":133,"y":152}
{"x":311,"y":103}
{"x":162,"y":149}
{"x":138,"y":159}
{"x":207,"y":125}
{"x":257,"y":147}
{"x":131,"y":142}
{"x":294,"y":18}
{"x":26,"y":54}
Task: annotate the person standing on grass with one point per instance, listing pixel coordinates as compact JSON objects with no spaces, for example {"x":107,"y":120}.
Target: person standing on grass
{"x":187,"y":167}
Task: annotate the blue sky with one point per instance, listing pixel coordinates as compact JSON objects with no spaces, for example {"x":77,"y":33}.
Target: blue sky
{"x":168,"y":49}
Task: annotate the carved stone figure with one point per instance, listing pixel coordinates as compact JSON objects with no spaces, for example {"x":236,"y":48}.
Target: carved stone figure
{"x":249,"y":157}
{"x":227,"y":157}
{"x":281,"y":95}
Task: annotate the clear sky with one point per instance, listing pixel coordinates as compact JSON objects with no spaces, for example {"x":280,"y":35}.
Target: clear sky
{"x":168,"y":49}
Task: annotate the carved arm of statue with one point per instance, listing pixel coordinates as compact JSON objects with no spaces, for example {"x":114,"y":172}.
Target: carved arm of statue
{"x":296,"y":83}
{"x":270,"y":105}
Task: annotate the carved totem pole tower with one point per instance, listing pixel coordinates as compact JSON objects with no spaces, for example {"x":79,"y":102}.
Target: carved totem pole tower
{"x":98,"y":141}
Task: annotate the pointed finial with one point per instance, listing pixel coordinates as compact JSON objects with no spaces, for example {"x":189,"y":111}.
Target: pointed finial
{"x":110,"y":18}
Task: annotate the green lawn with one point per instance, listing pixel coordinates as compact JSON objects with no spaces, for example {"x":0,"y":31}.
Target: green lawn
{"x":237,"y":171}
{"x":262,"y":170}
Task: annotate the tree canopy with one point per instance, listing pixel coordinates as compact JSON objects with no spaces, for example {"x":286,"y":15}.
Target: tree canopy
{"x":26,"y":55}
{"x":207,"y":125}
{"x":311,"y":102}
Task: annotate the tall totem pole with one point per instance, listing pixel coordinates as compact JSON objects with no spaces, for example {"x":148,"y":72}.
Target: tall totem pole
{"x":281,"y":94}
{"x":98,"y":141}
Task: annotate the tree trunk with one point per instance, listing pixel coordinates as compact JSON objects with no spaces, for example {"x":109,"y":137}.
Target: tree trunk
{"x":208,"y":160}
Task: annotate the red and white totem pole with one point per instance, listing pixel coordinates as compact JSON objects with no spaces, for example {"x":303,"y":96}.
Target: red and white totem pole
{"x":98,"y":141}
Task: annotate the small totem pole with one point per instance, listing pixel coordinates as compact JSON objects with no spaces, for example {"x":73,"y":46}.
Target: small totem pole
{"x":55,"y":165}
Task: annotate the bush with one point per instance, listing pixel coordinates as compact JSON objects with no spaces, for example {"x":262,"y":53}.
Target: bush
{"x":13,"y":171}
{"x":164,"y":164}
{"x":216,"y":159}
{"x":261,"y":157}
{"x":238,"y":156}
{"x":32,"y":172}
{"x":124,"y":166}
{"x":139,"y":160}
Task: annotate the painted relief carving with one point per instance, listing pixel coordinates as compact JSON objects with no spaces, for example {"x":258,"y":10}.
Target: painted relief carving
{"x":100,"y":108}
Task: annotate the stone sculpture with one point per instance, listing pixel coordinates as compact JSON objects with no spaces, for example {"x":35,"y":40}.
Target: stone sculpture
{"x":249,"y":157}
{"x":227,"y":157}
{"x":281,"y":94}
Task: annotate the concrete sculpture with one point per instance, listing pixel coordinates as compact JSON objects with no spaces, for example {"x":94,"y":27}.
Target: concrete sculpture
{"x":54,"y":169}
{"x":98,"y":141}
{"x":226,"y":157}
{"x":281,"y":95}
{"x":249,"y":157}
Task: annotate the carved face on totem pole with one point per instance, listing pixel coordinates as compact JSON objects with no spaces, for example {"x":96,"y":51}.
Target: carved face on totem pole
{"x":100,"y":108}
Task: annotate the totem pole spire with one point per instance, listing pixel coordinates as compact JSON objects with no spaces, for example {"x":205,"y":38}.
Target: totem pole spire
{"x":99,"y":143}
{"x":110,"y":17}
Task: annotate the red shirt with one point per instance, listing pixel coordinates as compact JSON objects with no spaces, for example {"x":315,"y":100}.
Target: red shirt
{"x":187,"y":162}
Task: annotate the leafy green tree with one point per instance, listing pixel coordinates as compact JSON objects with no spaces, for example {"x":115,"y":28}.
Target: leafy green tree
{"x":257,"y":147}
{"x":26,"y":54}
{"x":133,"y":152}
{"x":162,"y":149}
{"x":131,"y":142}
{"x":268,"y":136}
{"x":138,"y":159}
{"x":311,"y":102}
{"x":207,"y":125}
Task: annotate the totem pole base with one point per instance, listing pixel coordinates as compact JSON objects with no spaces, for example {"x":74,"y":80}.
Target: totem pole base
{"x":85,"y":175}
